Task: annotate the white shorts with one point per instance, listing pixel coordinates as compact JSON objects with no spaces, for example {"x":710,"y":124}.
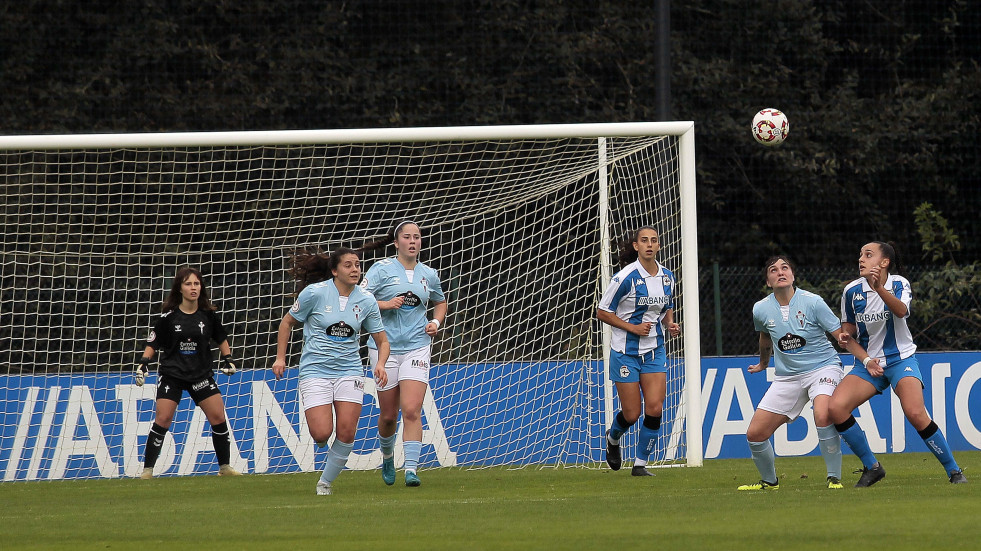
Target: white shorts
{"x":790,"y":393}
{"x":412,"y":366}
{"x":317,"y":391}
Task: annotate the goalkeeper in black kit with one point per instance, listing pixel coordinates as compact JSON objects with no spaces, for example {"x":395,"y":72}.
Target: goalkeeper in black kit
{"x":182,"y":335}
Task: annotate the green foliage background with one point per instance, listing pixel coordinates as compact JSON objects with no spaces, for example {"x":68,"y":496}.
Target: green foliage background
{"x":883,"y":96}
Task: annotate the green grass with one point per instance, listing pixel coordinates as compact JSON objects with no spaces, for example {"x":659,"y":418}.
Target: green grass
{"x":913,"y":508}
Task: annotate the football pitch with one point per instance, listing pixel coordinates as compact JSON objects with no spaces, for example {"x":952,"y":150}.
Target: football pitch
{"x":914,"y":507}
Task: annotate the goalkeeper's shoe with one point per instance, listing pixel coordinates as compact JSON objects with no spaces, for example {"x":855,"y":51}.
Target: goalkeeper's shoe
{"x":613,"y":458}
{"x":147,"y":473}
{"x":957,"y":477}
{"x":834,"y":483}
{"x":640,"y":470}
{"x":761,"y":485}
{"x":871,"y":476}
{"x":388,"y":470}
{"x":412,"y":479}
{"x":227,"y":470}
{"x":323,"y":488}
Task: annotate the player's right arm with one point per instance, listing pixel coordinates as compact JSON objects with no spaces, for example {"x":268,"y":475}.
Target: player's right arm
{"x":766,"y":349}
{"x":282,"y":344}
{"x":605,"y":311}
{"x":609,"y":318}
{"x":160,"y":337}
{"x":297,"y":314}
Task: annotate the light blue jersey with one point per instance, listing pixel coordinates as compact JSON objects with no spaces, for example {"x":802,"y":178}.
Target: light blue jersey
{"x":798,"y":331}
{"x":330,"y":332}
{"x":405,"y":326}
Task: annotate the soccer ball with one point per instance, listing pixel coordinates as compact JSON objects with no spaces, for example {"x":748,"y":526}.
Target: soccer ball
{"x":770,"y":127}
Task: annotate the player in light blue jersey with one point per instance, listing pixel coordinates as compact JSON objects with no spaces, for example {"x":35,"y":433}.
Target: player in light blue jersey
{"x":807,"y":368}
{"x":639,"y":306}
{"x":875,"y":308}
{"x":404,"y":288}
{"x":333,"y":311}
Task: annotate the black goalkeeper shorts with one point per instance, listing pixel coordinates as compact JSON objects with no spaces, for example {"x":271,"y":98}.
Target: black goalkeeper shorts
{"x":173,"y":389}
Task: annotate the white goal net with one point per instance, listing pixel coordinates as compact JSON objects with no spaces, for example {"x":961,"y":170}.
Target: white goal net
{"x":517,"y":221}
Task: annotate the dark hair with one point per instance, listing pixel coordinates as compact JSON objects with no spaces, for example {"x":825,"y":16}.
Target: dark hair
{"x":313,"y":266}
{"x":888,"y":250}
{"x":773,"y":260}
{"x":175,"y":297}
{"x":625,"y":250}
{"x":388,"y":239}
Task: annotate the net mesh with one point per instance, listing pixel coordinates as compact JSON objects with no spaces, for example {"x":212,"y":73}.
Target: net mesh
{"x":91,"y":239}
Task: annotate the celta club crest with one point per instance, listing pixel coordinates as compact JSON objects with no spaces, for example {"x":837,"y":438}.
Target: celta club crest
{"x":425,"y":285}
{"x":800,"y":318}
{"x":356,"y":310}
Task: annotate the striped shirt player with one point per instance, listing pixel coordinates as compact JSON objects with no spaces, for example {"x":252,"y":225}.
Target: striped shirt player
{"x":638,"y":305}
{"x":883,"y":334}
{"x":875,"y":308}
{"x":636,"y":296}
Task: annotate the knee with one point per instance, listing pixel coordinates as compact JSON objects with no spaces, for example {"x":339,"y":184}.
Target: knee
{"x":411,"y":415}
{"x":345,"y":434}
{"x":630,"y":417}
{"x":920,"y":420}
{"x":321,"y":434}
{"x":388,"y":418}
{"x":822,"y":418}
{"x":756,"y":435}
{"x":837,"y":412}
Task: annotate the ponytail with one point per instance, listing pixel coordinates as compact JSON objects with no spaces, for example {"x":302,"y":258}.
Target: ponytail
{"x":888,"y":249}
{"x":625,"y":248}
{"x":313,"y":266}
{"x":386,"y":240}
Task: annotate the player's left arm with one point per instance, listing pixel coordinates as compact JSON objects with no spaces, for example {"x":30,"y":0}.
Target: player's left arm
{"x":439,"y":318}
{"x":673,"y":328}
{"x":897,"y":306}
{"x":220,"y":335}
{"x":855,"y":349}
{"x":384,"y":350}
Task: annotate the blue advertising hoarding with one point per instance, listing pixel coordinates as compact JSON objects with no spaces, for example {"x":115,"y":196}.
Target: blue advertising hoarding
{"x":95,"y":425}
{"x":952,"y":396}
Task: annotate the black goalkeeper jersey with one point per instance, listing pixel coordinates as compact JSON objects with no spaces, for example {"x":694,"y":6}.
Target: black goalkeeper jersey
{"x":183,"y":343}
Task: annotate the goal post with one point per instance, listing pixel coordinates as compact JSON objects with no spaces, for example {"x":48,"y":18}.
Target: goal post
{"x":517,"y":220}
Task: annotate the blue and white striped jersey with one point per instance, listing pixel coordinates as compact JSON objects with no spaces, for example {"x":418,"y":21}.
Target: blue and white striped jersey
{"x":331,"y":332}
{"x":636,"y":296}
{"x":405,"y":326}
{"x":882,"y":334}
{"x":799,"y":332}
